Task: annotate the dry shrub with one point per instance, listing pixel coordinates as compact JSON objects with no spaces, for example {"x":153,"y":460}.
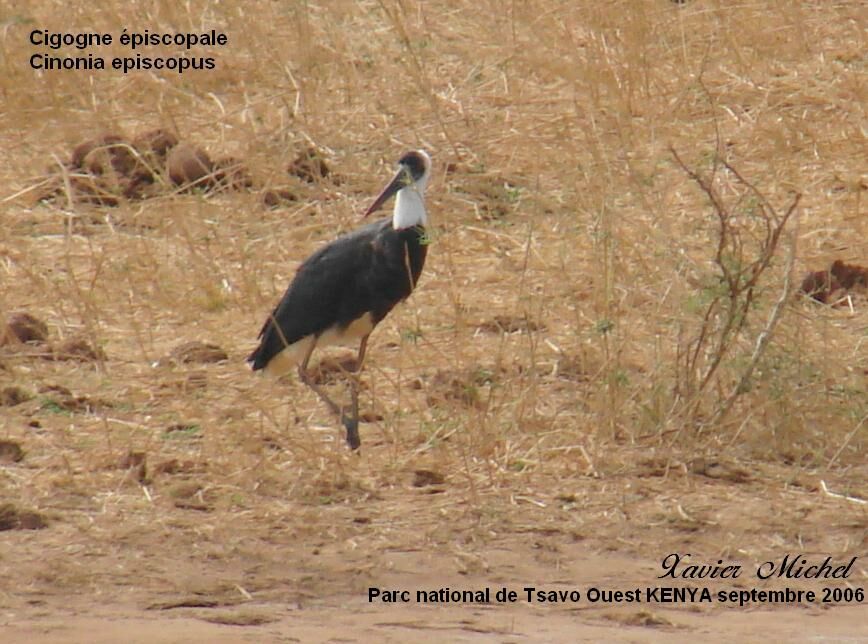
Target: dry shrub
{"x":747,"y":238}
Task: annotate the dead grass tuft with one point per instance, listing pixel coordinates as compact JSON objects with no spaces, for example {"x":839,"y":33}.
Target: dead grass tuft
{"x":198,"y":352}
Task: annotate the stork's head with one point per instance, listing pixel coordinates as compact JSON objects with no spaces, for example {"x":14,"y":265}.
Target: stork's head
{"x":414,"y":169}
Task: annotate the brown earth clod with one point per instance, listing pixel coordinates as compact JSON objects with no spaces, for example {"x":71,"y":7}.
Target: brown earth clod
{"x":25,"y":328}
{"x":14,"y":518}
{"x":77,"y":349}
{"x":13,"y":395}
{"x":424,"y":478}
{"x":189,"y":166}
{"x":10,"y":452}
{"x":833,"y":286}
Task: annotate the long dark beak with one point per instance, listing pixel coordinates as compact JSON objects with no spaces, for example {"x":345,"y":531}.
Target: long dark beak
{"x":400,"y":180}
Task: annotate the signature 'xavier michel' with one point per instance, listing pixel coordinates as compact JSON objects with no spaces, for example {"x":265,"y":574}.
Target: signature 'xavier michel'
{"x":342,"y":291}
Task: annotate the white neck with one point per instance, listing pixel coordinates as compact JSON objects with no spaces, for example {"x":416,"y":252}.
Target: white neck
{"x":409,"y":207}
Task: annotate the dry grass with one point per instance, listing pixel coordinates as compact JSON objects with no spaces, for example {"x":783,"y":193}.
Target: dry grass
{"x":572,"y":259}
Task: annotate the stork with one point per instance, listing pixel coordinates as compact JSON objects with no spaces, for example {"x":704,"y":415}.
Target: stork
{"x":341,"y":292}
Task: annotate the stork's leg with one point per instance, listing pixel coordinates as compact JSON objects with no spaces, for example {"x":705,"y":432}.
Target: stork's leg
{"x":352,"y":422}
{"x":304,"y":376}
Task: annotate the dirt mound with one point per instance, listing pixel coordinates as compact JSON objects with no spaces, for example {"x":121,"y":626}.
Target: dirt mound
{"x":23,"y":327}
{"x":837,"y":285}
{"x":14,"y":518}
{"x":111,"y":168}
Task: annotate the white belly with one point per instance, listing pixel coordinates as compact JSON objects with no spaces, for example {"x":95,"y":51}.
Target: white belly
{"x":356,"y":330}
{"x":288,"y":359}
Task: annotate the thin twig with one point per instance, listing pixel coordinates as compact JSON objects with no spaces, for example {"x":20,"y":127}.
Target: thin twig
{"x":835,"y":495}
{"x":847,"y":441}
{"x":766,"y":334}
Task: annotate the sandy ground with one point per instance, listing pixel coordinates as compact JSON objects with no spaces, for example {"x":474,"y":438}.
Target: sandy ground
{"x":183,"y":574}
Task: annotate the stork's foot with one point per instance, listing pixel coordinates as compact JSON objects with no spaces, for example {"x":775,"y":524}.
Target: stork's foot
{"x":352,"y":425}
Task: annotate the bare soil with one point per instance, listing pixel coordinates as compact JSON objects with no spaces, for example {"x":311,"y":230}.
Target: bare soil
{"x":174,"y":568}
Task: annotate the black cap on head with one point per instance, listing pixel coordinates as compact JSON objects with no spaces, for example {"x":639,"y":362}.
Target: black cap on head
{"x":415,"y":164}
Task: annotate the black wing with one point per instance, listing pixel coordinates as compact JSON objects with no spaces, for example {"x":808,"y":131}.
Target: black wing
{"x":322,"y":294}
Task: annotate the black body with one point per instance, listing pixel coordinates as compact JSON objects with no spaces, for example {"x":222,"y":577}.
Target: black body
{"x":369,"y":270}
